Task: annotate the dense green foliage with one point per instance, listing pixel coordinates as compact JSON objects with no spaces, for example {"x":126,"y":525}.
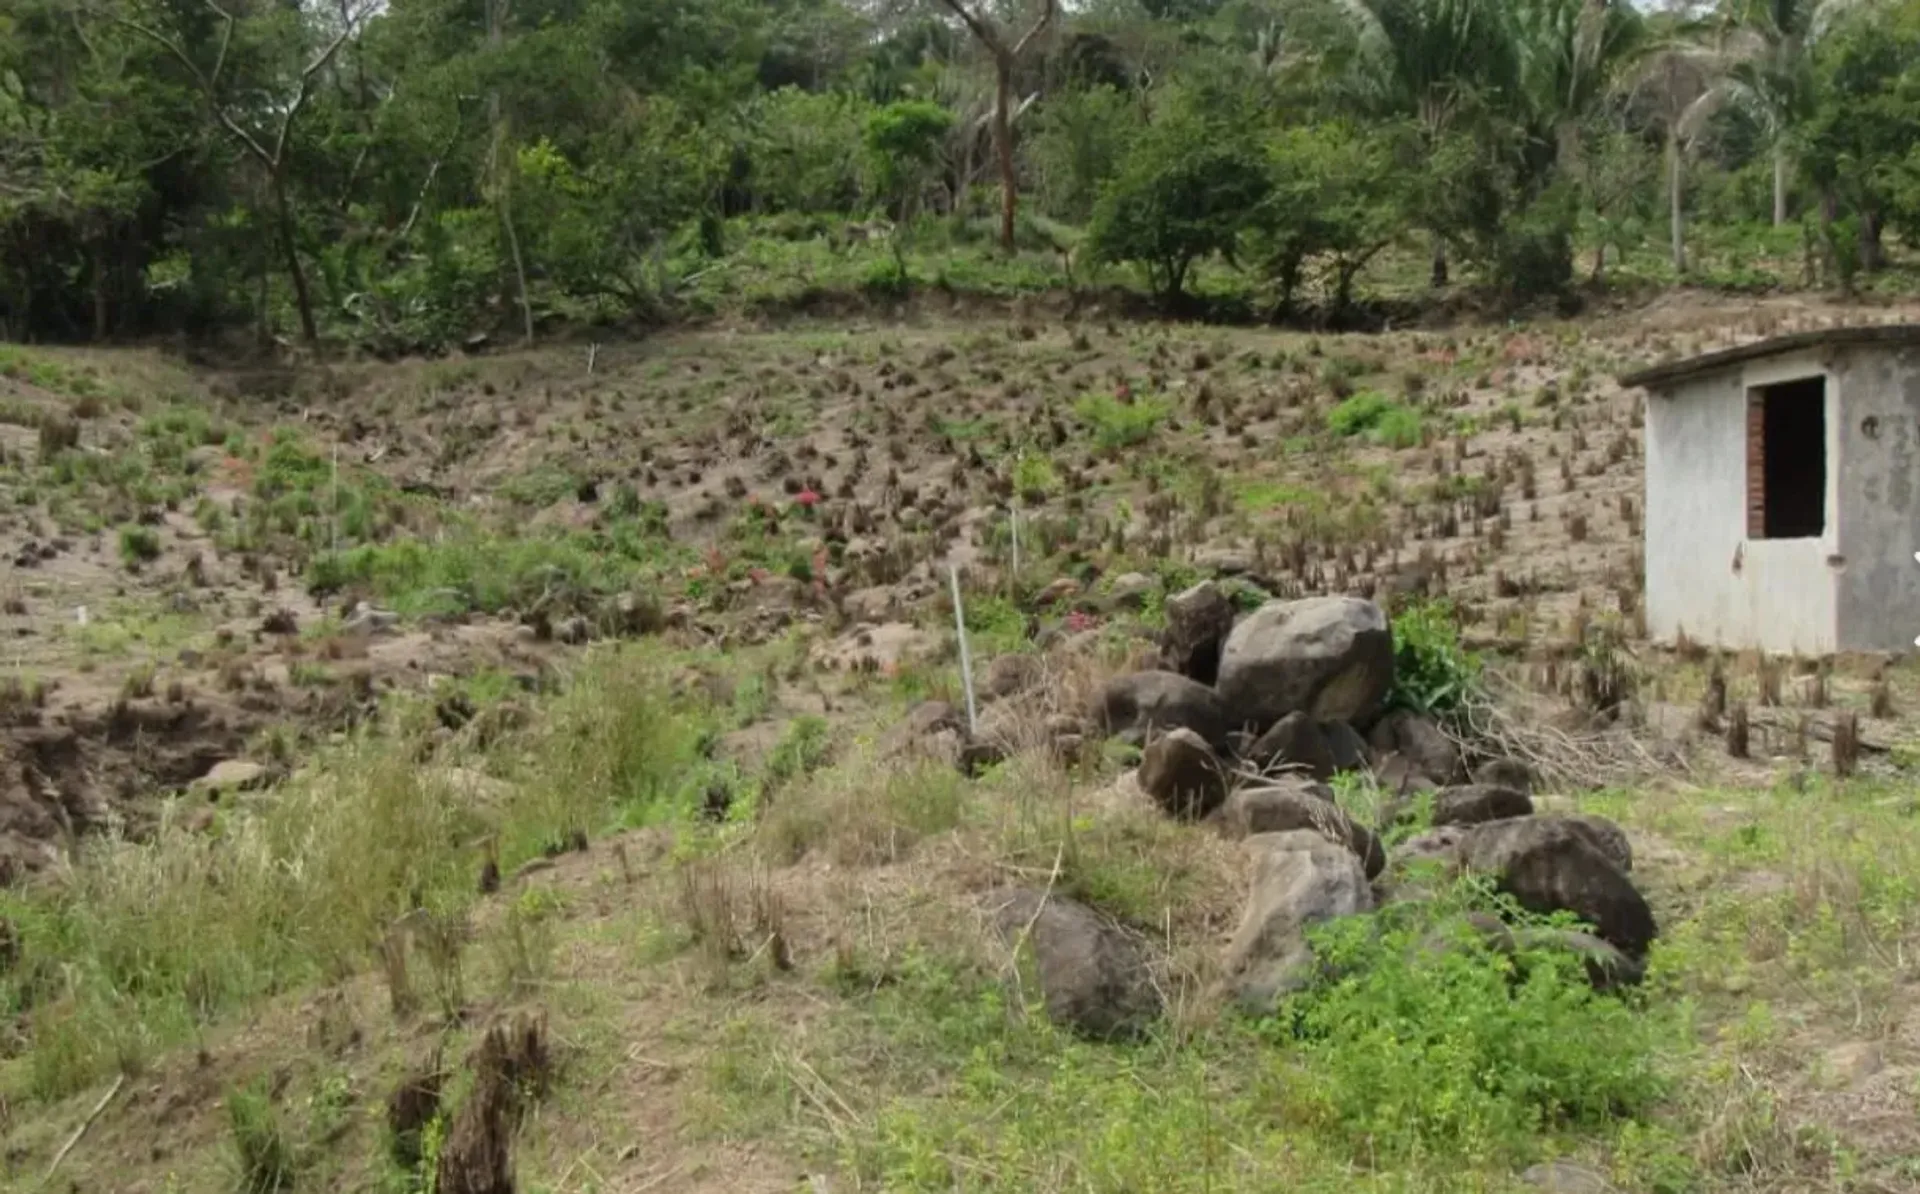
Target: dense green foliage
{"x":406,"y":174}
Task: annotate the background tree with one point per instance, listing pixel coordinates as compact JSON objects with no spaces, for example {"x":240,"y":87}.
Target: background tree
{"x":1006,"y":54}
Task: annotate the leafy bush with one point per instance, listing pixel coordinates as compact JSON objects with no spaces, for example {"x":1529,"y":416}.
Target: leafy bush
{"x":1533,"y":256}
{"x":1186,"y":189}
{"x":1432,"y":672}
{"x":1082,"y":138}
{"x":902,"y":141}
{"x":804,"y":150}
{"x":1378,"y":417}
{"x":1433,"y":1045}
{"x":1118,"y":424}
{"x":138,"y":545}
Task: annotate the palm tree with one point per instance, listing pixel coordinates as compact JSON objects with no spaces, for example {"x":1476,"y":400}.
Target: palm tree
{"x":1678,"y":82}
{"x":1573,"y":54}
{"x":1427,"y":59}
{"x":1770,"y":73}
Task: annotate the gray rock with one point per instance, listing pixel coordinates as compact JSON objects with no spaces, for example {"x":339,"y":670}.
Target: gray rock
{"x":1183,"y":775}
{"x":1155,"y":700}
{"x":1348,"y":747}
{"x":1550,"y":865}
{"x":1476,"y":804}
{"x":1396,"y":775}
{"x":1422,"y":743}
{"x":1294,"y":743}
{"x":1095,"y":978}
{"x":1198,"y":623}
{"x":1440,"y":845}
{"x":1330,"y":657}
{"x":1299,"y":879}
{"x":1285,"y":807}
{"x":231,"y":775}
{"x":1507,"y":773}
{"x":1130,"y":590}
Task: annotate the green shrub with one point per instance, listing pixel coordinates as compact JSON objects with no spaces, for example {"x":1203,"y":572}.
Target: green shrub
{"x":139,"y":545}
{"x":1433,"y":1046}
{"x":1378,"y":417}
{"x":1117,"y":424}
{"x":263,"y":1154}
{"x":1432,"y":672}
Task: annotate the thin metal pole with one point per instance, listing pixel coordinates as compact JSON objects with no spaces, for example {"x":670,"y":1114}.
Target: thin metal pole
{"x":966,"y":656}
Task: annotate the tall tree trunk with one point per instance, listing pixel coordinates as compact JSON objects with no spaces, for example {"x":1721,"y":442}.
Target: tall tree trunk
{"x":1873,"y":254}
{"x":302,"y":299}
{"x":1676,"y":207}
{"x":1438,"y":278}
{"x":1779,"y":185}
{"x":1003,"y":146}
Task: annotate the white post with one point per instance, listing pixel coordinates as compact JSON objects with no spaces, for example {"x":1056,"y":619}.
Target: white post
{"x":966,"y":656}
{"x":336,"y":501}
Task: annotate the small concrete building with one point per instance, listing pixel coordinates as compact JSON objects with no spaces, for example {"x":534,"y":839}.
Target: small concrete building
{"x":1783,"y":493}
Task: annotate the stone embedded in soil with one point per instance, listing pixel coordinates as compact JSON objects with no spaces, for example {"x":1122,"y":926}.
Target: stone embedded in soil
{"x":1421,"y":742}
{"x":1294,"y":743}
{"x":231,"y":775}
{"x":1199,"y":620}
{"x":1153,"y":700}
{"x":1130,"y":590}
{"x":1330,"y":657}
{"x":1396,"y":775}
{"x":1299,"y":879}
{"x":1549,"y":866}
{"x":1095,"y":978}
{"x":1183,"y":775}
{"x":1287,"y":806}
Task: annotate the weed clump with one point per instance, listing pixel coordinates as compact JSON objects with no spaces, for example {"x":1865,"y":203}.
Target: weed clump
{"x":1377,"y":417}
{"x":1435,"y":1042}
{"x":1432,"y":672}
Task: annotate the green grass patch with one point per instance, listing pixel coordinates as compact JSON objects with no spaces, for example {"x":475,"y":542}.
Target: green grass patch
{"x":149,"y":941}
{"x":1377,"y":417}
{"x":1117,"y":424}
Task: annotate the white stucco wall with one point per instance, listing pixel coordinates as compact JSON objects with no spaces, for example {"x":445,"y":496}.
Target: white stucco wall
{"x":1704,"y":575}
{"x":1879,"y":581}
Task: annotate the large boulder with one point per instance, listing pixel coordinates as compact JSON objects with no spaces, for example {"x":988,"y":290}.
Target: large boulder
{"x":1299,"y":880}
{"x":1183,"y":775}
{"x":1395,"y":773}
{"x":1550,"y":865}
{"x":1133,"y":705}
{"x":1095,"y":978}
{"x":1602,"y":834}
{"x":1294,"y":743}
{"x":1331,"y":657}
{"x":1284,"y":807}
{"x":1421,"y":742}
{"x":1198,"y":622}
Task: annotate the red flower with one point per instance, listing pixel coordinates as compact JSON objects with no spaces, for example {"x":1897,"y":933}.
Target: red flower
{"x":807,"y":497}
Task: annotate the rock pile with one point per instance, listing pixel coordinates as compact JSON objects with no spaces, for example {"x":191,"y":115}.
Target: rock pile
{"x":1240,"y":724}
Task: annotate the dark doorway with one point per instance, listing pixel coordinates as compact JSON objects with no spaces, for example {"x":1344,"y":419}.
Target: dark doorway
{"x":1787,"y":460}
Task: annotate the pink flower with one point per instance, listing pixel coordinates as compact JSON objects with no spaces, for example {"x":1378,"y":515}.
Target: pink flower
{"x":807,"y":497}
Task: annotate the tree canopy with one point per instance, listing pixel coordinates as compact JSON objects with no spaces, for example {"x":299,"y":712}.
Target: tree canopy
{"x":406,"y":174}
